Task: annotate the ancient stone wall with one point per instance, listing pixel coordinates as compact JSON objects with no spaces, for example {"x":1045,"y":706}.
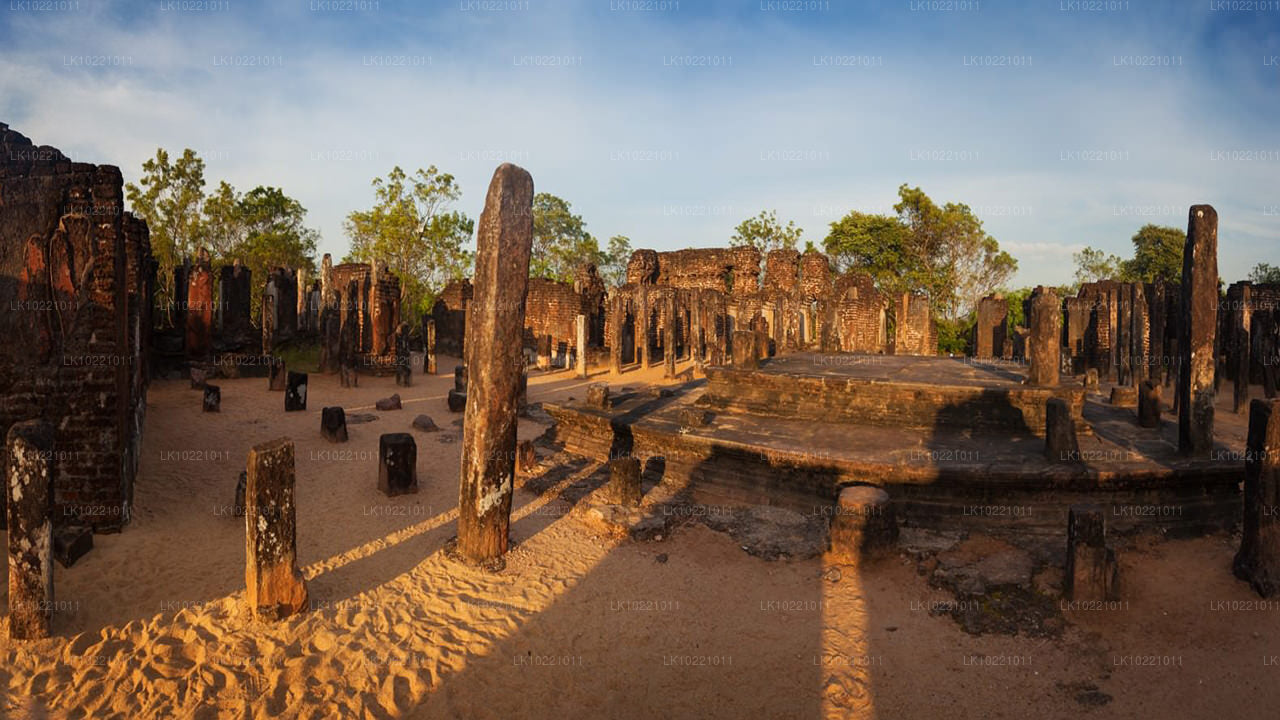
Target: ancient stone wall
{"x":861,"y":313}
{"x":915,"y":332}
{"x":77,"y":279}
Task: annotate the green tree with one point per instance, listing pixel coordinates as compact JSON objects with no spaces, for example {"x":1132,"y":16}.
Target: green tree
{"x":560,"y":240}
{"x":1093,"y":265}
{"x":613,"y":269}
{"x":169,"y":198}
{"x":764,"y":233}
{"x":1157,"y":253}
{"x":872,"y":243}
{"x":1264,"y":273}
{"x":412,"y":228}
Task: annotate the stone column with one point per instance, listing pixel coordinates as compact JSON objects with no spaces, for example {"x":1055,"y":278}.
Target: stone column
{"x":1156,"y":330}
{"x":696,"y":347}
{"x":1139,"y":361}
{"x":29,"y":479}
{"x":1092,"y":571}
{"x":642,"y":326}
{"x":1060,"y":442}
{"x":397,"y":464}
{"x":1044,"y":344}
{"x":1258,"y":561}
{"x":618,"y":311}
{"x":669,"y":338}
{"x":1149,"y":400}
{"x":1124,"y":327}
{"x":304,"y":318}
{"x":582,"y":345}
{"x":268,"y":320}
{"x":745,"y":355}
{"x":1240,"y":327}
{"x":199,"y":317}
{"x":404,"y":373}
{"x":430,"y":346}
{"x":275,"y":586}
{"x":623,"y":487}
{"x":327,"y":289}
{"x":494,"y":359}
{"x":1199,"y":318}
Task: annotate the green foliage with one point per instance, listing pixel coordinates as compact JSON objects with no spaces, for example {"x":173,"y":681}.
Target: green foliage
{"x":1157,"y":253}
{"x":168,"y":197}
{"x":876,"y":245}
{"x":764,"y":233}
{"x":1093,"y":265}
{"x":613,"y":268}
{"x":413,"y":230}
{"x":955,"y":336}
{"x":1264,"y":273}
{"x":1015,"y":298}
{"x":560,"y":240}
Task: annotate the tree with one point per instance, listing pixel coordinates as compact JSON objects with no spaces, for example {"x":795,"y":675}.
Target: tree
{"x":1157,"y":253}
{"x":560,"y":240}
{"x":169,"y":197}
{"x":764,"y":233}
{"x":1093,"y":265}
{"x":1264,"y":273}
{"x":412,"y":229}
{"x":613,"y":269}
{"x":872,"y":243}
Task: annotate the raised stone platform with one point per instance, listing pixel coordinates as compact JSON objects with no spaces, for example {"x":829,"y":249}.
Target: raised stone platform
{"x":917,"y":392}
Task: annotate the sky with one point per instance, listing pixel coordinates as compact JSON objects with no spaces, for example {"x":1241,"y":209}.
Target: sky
{"x":1062,"y":123}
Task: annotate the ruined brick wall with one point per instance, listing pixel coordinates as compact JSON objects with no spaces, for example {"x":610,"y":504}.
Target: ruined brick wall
{"x":992,"y":327}
{"x":860,"y":312}
{"x":384,"y":308}
{"x":735,"y":271}
{"x":914,"y":331}
{"x":551,"y":308}
{"x":362,"y":274}
{"x":449,"y":312}
{"x":815,"y":276}
{"x":75,"y":274}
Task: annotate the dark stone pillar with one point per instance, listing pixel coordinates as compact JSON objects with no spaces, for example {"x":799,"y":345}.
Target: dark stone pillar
{"x":1149,"y":404}
{"x":864,"y":525}
{"x":1092,"y":573}
{"x":669,"y":337}
{"x":275,"y":588}
{"x":598,"y":396}
{"x":199,"y":317}
{"x":1242,"y":349}
{"x":1258,"y":561}
{"x":1044,"y":345}
{"x":1060,"y":442}
{"x":992,"y":327}
{"x":744,"y":350}
{"x":493,"y":357}
{"x":618,"y":311}
{"x":349,"y":336}
{"x":1199,"y":311}
{"x":1139,"y":362}
{"x":1124,"y":327}
{"x":212,"y":398}
{"x":277,"y":374}
{"x":295,"y":392}
{"x":397,"y":464}
{"x":1159,"y":352}
{"x":269,"y":317}
{"x":404,"y":373}
{"x":333,"y":424}
{"x":29,"y":475}
{"x":624,"y":482}
{"x":642,"y":326}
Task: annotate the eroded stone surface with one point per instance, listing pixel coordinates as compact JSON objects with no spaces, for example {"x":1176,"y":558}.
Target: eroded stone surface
{"x":275,"y":587}
{"x":29,"y":476}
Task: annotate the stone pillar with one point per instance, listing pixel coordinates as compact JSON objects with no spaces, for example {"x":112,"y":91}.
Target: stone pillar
{"x":276,"y":374}
{"x":295,"y":392}
{"x":404,"y":373}
{"x":1149,"y":404}
{"x":1139,"y":357}
{"x":543,"y":344}
{"x":397,"y":464}
{"x":744,"y":350}
{"x":1044,"y":344}
{"x":493,"y":357}
{"x":1060,"y":442}
{"x":623,"y":487}
{"x":212,"y":398}
{"x":992,"y":327}
{"x":1156,"y":309}
{"x":618,"y":311}
{"x":377,"y":313}
{"x":430,"y":346}
{"x":349,"y":336}
{"x":697,"y":347}
{"x":1240,"y":321}
{"x":1092,"y":571}
{"x":642,"y":326}
{"x":275,"y":586}
{"x":199,"y":317}
{"x":1124,"y":342}
{"x":327,"y":289}
{"x":669,"y":337}
{"x":333,"y":424}
{"x":300,"y":277}
{"x":582,"y":345}
{"x":1199,"y":318}
{"x":1258,"y":561}
{"x":598,"y":396}
{"x":268,"y":320}
{"x":29,"y":475}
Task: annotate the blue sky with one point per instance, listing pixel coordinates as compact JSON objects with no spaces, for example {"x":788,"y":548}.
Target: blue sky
{"x":1061,"y":124}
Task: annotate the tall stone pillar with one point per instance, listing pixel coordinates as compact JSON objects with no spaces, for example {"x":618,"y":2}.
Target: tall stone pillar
{"x":669,"y":337}
{"x":696,"y":348}
{"x":1199,"y":316}
{"x":429,"y":341}
{"x":493,"y":358}
{"x":275,"y":586}
{"x":582,"y":345}
{"x":1044,"y":344}
{"x":1156,"y":330}
{"x":29,"y":476}
{"x":304,"y":317}
{"x":617,"y":311}
{"x":1242,"y":349}
{"x":269,"y":316}
{"x":199,"y":316}
{"x":1258,"y":560}
{"x":1124,"y":324}
{"x":992,"y":327}
{"x":642,"y":326}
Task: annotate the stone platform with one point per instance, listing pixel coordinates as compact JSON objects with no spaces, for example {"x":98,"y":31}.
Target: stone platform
{"x":950,"y":475}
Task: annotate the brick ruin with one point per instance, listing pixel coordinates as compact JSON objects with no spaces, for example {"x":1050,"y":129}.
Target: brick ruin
{"x":366,"y":294}
{"x":78,"y":279}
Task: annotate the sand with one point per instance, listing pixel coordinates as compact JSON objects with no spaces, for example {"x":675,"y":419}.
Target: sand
{"x":578,"y":624}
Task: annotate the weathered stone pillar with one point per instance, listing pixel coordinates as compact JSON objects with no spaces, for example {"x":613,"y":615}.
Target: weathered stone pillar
{"x":397,"y":464}
{"x":991,"y":328}
{"x":333,"y":424}
{"x":1157,"y":304}
{"x":1124,"y":341}
{"x":349,"y":335}
{"x":642,"y":326}
{"x":29,"y":476}
{"x":598,"y":396}
{"x":268,"y":320}
{"x":1044,"y":345}
{"x":618,"y":311}
{"x":1258,"y":561}
{"x":1092,"y":571}
{"x":582,"y":345}
{"x":276,"y":374}
{"x":1060,"y":442}
{"x":430,"y":343}
{"x":1199,"y":318}
{"x":696,"y":342}
{"x":212,"y":398}
{"x":1139,"y":358}
{"x":493,"y":357}
{"x":1149,"y":404}
{"x":304,"y":317}
{"x":744,"y":350}
{"x":275,"y":586}
{"x":623,"y":487}
{"x":295,"y":392}
{"x":199,"y":317}
{"x":669,"y":337}
{"x":404,"y":372}
{"x":1240,"y":322}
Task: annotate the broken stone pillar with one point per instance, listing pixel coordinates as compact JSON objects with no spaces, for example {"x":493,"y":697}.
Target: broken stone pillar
{"x":29,"y":476}
{"x":598,"y":396}
{"x":277,"y":375}
{"x":1149,"y":399}
{"x":744,"y":350}
{"x":697,"y":342}
{"x":349,"y":336}
{"x":295,"y":392}
{"x":333,"y":424}
{"x":544,"y":352}
{"x":300,"y":280}
{"x":269,"y":317}
{"x":1091,"y":380}
{"x":275,"y":586}
{"x":693,"y":417}
{"x":669,"y":338}
{"x":70,"y":543}
{"x":863,"y":525}
{"x":404,"y":373}
{"x":526,"y":457}
{"x":1060,"y":442}
{"x":1092,"y":572}
{"x":623,"y":487}
{"x":1124,"y":396}
{"x":1199,"y":318}
{"x":429,"y":339}
{"x":582,"y":345}
{"x":493,"y":356}
{"x":1240,"y":322}
{"x":212,"y":398}
{"x":397,"y":464}
{"x":1258,"y":560}
{"x":199,"y":316}
{"x":992,"y":327}
{"x":1044,"y":347}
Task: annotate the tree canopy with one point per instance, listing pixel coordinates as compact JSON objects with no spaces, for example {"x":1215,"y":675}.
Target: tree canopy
{"x":169,"y":198}
{"x":764,"y":232}
{"x":1264,"y":273}
{"x":613,"y":268}
{"x":560,"y":240}
{"x":1157,"y":253}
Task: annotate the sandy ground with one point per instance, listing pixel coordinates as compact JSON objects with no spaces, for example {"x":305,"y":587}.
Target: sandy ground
{"x":150,"y":622}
